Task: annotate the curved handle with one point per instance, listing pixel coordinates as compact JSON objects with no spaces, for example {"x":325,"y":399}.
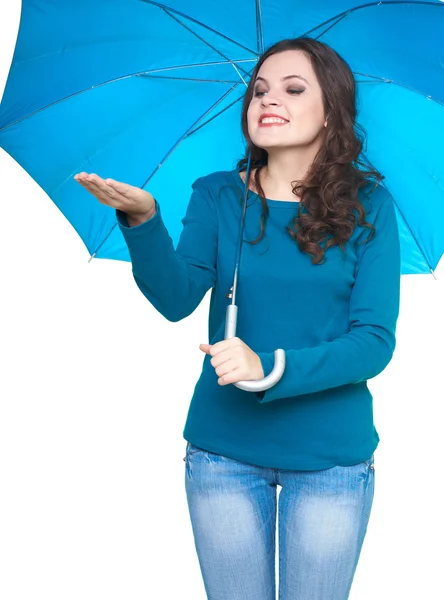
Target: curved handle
{"x":257,"y":385}
{"x":254,"y":385}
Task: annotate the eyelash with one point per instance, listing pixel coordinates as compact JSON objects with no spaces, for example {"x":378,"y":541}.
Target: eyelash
{"x":292,"y":91}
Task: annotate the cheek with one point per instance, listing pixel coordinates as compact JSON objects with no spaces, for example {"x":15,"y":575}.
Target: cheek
{"x":251,"y":118}
{"x":250,"y":113}
{"x":309,"y":116}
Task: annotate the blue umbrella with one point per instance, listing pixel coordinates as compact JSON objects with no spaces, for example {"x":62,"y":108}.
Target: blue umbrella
{"x":92,"y":87}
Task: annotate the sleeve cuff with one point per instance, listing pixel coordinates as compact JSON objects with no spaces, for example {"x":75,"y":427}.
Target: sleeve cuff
{"x":267,"y":362}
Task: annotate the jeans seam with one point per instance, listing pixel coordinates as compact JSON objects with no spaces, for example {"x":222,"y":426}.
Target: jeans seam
{"x":189,"y":452}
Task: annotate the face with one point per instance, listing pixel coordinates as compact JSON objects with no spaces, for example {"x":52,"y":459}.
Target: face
{"x":297,"y":101}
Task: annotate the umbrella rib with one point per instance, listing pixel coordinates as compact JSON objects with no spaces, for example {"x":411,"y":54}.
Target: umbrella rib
{"x":408,"y":226}
{"x":369,"y":5}
{"x":169,"y":8}
{"x":331,"y":26}
{"x":190,"y":129}
{"x":216,"y":115}
{"x":208,"y":44}
{"x":259,"y":27}
{"x":204,"y":64}
{"x":191,"y":79}
{"x":404,"y":85}
{"x":128,"y":76}
{"x":168,"y":154}
{"x":212,"y":118}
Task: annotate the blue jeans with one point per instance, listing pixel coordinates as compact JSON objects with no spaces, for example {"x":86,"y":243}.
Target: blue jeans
{"x":323,"y":517}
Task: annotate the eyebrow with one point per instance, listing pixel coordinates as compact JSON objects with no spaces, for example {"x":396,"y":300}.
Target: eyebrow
{"x":284,"y":78}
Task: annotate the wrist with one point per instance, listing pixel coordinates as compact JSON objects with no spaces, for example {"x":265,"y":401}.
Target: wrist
{"x":138,"y":219}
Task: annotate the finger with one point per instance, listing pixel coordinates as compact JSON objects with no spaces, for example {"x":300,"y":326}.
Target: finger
{"x":105,"y":194}
{"x":101,"y":197}
{"x":121,"y":188}
{"x":226,"y":367}
{"x":94,"y":189}
{"x":102,"y":186}
{"x":222,"y":357}
{"x":232,"y":377}
{"x":90,"y":187}
{"x":81,"y":177}
{"x":223,"y":345}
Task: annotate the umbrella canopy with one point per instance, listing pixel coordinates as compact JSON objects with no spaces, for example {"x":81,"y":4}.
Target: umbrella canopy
{"x":150,"y":94}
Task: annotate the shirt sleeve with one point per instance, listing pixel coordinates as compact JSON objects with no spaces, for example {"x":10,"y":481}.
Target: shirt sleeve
{"x":175,"y":280}
{"x":367,"y":348}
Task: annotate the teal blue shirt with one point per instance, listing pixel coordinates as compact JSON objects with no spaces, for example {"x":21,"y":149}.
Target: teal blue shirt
{"x":336,"y":322}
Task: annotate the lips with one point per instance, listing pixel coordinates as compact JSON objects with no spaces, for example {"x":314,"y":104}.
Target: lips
{"x":271,"y":116}
{"x":272,"y":124}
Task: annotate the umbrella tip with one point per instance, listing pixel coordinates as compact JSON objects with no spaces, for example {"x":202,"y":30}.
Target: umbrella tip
{"x":91,"y":257}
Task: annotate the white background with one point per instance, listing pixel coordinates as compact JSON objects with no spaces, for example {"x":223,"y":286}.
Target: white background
{"x":92,"y":499}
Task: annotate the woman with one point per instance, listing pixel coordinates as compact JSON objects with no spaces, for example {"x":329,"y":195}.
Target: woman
{"x":321,"y":280}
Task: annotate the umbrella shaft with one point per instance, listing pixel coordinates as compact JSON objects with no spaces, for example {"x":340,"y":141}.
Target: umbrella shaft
{"x":241,"y":234}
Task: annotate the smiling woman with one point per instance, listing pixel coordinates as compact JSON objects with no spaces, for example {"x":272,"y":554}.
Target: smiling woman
{"x":301,"y":100}
{"x":311,"y":431}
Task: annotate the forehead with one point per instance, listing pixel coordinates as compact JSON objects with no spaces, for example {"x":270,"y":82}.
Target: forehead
{"x":286,"y":63}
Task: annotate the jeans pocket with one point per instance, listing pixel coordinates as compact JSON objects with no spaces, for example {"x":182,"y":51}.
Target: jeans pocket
{"x":191,"y":449}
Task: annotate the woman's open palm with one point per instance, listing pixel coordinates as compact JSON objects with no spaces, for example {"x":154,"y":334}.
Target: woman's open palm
{"x":122,"y":196}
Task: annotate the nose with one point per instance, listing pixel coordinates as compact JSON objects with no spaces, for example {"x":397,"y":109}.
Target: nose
{"x":269,"y":100}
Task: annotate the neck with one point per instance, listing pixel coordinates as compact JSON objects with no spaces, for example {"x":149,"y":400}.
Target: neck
{"x":284,"y":166}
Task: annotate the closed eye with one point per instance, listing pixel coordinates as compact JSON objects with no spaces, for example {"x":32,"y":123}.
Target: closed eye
{"x":291,"y":91}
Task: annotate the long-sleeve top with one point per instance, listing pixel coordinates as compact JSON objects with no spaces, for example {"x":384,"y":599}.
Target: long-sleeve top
{"x":335,"y":321}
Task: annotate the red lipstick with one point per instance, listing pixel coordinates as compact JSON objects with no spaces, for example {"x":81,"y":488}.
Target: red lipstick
{"x":271,"y":124}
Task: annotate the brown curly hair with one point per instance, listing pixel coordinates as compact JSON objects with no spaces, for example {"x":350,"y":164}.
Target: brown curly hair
{"x":329,"y":193}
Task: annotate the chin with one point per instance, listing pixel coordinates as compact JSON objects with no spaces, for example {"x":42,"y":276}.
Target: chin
{"x":267,"y":146}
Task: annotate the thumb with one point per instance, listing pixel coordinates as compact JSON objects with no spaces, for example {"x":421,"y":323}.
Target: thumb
{"x":205,"y":348}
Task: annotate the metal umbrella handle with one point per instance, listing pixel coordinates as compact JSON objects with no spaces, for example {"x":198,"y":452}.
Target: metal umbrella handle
{"x":254,"y":385}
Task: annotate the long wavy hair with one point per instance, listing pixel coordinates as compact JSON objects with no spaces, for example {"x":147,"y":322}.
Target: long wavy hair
{"x":329,"y":192}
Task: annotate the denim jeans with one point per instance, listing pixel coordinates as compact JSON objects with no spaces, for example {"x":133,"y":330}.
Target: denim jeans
{"x":322,"y":522}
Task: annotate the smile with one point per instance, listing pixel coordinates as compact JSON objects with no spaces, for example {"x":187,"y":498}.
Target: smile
{"x":274,"y":124}
{"x":271,"y":121}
